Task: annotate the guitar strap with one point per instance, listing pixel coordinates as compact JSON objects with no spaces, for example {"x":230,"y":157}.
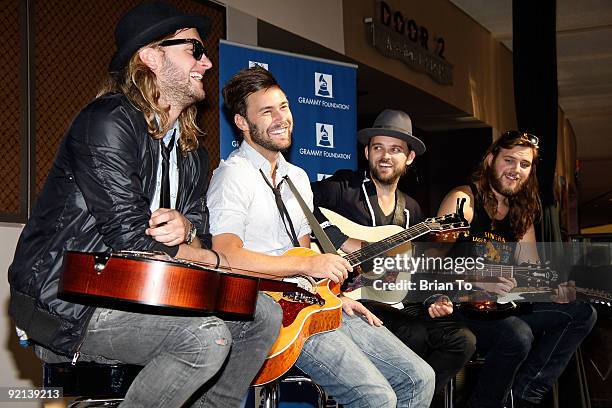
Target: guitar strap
{"x":399,"y":218}
{"x":318,"y":232}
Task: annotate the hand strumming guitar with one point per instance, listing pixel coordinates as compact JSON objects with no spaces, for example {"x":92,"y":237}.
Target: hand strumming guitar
{"x":328,"y":266}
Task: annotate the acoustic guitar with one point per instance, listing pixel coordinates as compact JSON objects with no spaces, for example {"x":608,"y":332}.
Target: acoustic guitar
{"x":321,"y":311}
{"x":156,"y":282}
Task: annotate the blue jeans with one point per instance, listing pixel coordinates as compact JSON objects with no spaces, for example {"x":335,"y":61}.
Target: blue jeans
{"x":367,"y":366}
{"x":528,"y":352}
{"x":214,"y":359}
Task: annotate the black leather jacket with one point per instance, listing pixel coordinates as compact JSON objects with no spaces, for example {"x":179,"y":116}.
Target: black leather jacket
{"x":96,"y":197}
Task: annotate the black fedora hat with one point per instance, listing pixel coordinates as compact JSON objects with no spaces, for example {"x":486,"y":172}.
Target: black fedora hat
{"x":393,"y":123}
{"x":146,"y":23}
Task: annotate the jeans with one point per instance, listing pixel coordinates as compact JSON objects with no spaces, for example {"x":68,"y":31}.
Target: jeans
{"x":185,"y":355}
{"x":530,"y":351}
{"x":366,"y":366}
{"x":446,"y":345}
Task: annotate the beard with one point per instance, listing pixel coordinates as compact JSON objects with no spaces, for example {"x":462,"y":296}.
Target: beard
{"x":175,"y":91}
{"x":388,"y":179}
{"x":262,"y":138}
{"x":496,"y":182}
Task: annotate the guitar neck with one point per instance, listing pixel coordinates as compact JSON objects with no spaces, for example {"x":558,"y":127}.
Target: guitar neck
{"x":372,"y":250}
{"x":488,"y":271}
{"x":596,"y":295}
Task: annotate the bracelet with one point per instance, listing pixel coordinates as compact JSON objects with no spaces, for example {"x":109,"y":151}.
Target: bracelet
{"x":191,"y":234}
{"x":218,"y":258}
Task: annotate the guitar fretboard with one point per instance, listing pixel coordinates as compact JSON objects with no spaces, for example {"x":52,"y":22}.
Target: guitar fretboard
{"x":488,"y":271}
{"x":372,"y":250}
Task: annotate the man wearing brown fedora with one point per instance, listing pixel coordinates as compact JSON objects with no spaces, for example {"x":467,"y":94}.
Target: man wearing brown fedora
{"x":129,"y":175}
{"x":371,"y":198}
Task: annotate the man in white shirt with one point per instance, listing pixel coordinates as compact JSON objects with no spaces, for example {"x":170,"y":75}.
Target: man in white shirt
{"x":361,"y":363}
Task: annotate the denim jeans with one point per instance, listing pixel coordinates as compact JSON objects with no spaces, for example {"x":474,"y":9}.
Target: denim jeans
{"x":183,"y":356}
{"x":367,"y":366}
{"x":445,"y":344}
{"x":530,"y":351}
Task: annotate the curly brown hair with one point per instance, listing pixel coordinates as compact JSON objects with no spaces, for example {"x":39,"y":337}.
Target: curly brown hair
{"x":525,"y":206}
{"x":137,"y":82}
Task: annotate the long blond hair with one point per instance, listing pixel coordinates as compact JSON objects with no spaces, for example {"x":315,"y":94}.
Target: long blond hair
{"x":137,"y":82}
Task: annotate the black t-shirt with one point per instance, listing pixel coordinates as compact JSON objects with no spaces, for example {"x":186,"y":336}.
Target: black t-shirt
{"x":490,"y":239}
{"x":353,"y":195}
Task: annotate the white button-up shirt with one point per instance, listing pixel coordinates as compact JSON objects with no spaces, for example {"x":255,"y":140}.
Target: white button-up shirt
{"x":241,"y":203}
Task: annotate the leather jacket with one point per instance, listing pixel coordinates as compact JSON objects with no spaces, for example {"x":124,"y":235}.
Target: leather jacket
{"x":96,"y":198}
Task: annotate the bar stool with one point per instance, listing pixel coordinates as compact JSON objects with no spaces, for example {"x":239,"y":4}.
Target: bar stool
{"x":449,"y":390}
{"x":271,"y":391}
{"x":94,"y":385}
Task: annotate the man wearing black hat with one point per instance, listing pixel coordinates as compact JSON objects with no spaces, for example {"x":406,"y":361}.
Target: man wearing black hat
{"x":129,"y":175}
{"x":371,"y":198}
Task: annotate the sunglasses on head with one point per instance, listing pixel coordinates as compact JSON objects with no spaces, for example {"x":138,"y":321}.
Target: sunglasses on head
{"x":515,"y":134}
{"x":198,"y":47}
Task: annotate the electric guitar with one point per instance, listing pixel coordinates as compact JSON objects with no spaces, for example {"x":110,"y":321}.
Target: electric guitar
{"x":540,"y":282}
{"x":306,"y":315}
{"x":510,"y":303}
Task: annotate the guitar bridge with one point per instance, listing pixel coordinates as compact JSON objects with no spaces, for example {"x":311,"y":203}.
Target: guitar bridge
{"x":314,"y":299}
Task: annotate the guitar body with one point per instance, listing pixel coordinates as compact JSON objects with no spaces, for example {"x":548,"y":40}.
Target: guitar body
{"x":125,"y":280}
{"x":369,"y":234}
{"x":301,"y":319}
{"x":321,"y":310}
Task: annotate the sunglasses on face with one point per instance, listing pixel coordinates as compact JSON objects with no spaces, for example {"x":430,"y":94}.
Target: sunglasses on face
{"x":198,"y":47}
{"x":515,"y":134}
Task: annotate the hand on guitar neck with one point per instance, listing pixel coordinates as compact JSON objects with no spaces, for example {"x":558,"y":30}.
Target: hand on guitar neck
{"x":564,"y":293}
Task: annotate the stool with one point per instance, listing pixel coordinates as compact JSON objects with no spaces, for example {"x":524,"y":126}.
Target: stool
{"x":449,"y":393}
{"x":94,"y":384}
{"x":271,"y":391}
{"x":449,"y":390}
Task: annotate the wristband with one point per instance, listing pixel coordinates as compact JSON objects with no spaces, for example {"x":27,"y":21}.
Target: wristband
{"x":218,"y":258}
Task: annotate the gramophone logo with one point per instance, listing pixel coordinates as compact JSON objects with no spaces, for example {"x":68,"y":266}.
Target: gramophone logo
{"x":324,"y":85}
{"x":259,"y":64}
{"x":325,"y":135}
